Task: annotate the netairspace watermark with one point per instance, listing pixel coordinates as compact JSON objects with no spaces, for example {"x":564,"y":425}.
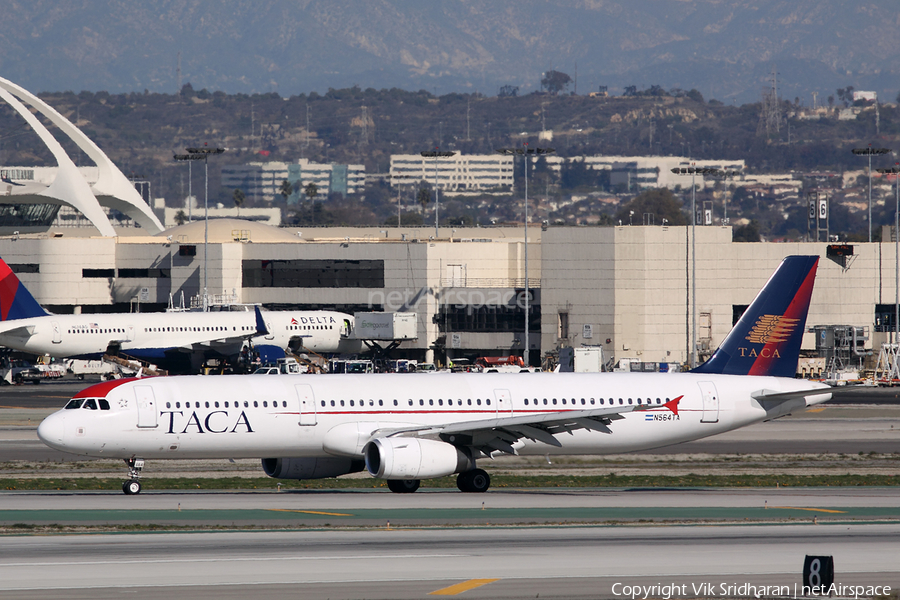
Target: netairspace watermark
{"x":745,"y":590}
{"x":409,"y":300}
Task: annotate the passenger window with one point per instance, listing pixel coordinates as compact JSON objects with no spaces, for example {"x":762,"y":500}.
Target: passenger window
{"x":323,"y":403}
{"x":216,"y":404}
{"x":545,"y":402}
{"x":351,"y":403}
{"x":395,"y":403}
{"x":342,"y":402}
{"x":104,"y":404}
{"x":440,"y":402}
{"x":206,"y":404}
{"x":380,"y":403}
{"x":332,"y":402}
{"x":469,"y":402}
{"x":583,"y":402}
{"x":554,"y":402}
{"x":629,"y":401}
{"x":256,"y":404}
{"x":421,"y":403}
{"x":246,"y":404}
{"x":284,"y":403}
{"x":265,"y":404}
{"x":410,"y":402}
{"x":226,"y":404}
{"x":478,"y":401}
{"x":90,"y":404}
{"x":488,"y":401}
{"x":430,"y":402}
{"x":168,"y":405}
{"x":178,"y":404}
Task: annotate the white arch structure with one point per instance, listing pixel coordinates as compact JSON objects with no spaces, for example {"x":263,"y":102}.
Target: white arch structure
{"x":112,"y":189}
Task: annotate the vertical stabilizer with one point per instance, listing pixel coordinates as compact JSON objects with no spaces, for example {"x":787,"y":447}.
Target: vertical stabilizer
{"x":766,"y":339}
{"x":16,"y":302}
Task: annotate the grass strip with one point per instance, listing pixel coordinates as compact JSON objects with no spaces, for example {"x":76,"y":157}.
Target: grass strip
{"x":497,"y":481}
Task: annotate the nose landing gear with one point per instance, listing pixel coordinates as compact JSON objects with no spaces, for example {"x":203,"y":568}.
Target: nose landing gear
{"x":133,"y":485}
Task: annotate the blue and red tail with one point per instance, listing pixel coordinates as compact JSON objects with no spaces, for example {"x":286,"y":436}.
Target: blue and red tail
{"x":766,"y":339}
{"x":16,"y":302}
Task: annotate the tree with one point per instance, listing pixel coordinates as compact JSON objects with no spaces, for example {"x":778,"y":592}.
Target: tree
{"x":180,"y":218}
{"x":285,"y":189}
{"x":695,"y":95}
{"x":555,"y":81}
{"x":508,"y":91}
{"x":746,"y":233}
{"x":238,"y":197}
{"x":423,"y":197}
{"x":661,"y":203}
{"x":312,"y":190}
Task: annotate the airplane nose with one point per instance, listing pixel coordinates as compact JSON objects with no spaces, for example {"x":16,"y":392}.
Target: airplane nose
{"x":51,"y":430}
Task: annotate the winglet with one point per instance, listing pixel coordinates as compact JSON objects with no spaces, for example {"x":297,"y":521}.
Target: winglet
{"x":261,"y":328}
{"x":16,"y":302}
{"x":766,"y":339}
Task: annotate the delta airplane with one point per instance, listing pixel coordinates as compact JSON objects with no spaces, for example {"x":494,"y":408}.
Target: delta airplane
{"x":404,"y":428}
{"x":176,"y":340}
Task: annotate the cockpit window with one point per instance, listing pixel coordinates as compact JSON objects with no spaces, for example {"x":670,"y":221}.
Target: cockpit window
{"x":74,"y":403}
{"x":90,"y":404}
{"x":104,"y":404}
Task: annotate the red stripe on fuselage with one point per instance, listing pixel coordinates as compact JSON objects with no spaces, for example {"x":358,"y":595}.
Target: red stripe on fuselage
{"x":795,"y":310}
{"x":100,"y":390}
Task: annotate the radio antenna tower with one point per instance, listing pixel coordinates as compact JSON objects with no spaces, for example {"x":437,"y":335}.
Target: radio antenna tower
{"x":770,"y":115}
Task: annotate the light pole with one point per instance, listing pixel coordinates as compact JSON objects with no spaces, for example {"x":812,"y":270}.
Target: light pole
{"x":527,"y":153}
{"x":693,"y":172}
{"x":205,"y":151}
{"x":870,"y":152}
{"x":190,"y":158}
{"x":437,"y":201}
{"x":895,"y":170}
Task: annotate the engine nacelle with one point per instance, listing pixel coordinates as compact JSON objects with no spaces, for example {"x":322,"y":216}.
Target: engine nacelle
{"x":310,"y":468}
{"x":414,"y":458}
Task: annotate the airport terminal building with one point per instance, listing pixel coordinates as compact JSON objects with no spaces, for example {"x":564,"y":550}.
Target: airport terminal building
{"x":625,"y":289}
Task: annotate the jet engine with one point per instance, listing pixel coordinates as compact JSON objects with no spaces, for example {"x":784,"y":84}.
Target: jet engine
{"x":414,"y":458}
{"x":310,"y":468}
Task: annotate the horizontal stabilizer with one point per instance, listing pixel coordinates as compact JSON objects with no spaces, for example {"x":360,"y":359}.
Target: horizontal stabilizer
{"x":772,"y":395}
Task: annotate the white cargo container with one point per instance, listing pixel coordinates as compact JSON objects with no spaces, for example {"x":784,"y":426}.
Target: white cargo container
{"x":588,"y":360}
{"x":385,"y":326}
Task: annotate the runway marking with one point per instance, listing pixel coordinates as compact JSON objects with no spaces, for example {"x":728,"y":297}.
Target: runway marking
{"x":826,"y":510}
{"x":310,"y":512}
{"x":816,"y":410}
{"x":459,"y":588}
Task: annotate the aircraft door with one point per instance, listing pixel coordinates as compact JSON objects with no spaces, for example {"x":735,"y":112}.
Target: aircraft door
{"x":146,"y":406}
{"x":57,"y":333}
{"x":504,"y":403}
{"x":271,"y":332}
{"x":307,"y":401}
{"x":710,"y":402}
{"x":129,"y":333}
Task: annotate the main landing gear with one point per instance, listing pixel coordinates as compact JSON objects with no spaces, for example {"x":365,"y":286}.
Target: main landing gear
{"x":474,"y":481}
{"x":133,"y":485}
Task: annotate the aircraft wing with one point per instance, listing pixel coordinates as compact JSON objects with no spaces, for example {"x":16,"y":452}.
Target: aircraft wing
{"x":499,"y":434}
{"x":23,"y":331}
{"x":229,"y":341}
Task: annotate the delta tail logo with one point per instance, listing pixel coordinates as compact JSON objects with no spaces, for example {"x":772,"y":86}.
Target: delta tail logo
{"x":772,"y":329}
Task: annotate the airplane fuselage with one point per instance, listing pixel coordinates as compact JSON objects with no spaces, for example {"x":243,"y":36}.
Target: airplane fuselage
{"x":336,"y":415}
{"x":150,"y":336}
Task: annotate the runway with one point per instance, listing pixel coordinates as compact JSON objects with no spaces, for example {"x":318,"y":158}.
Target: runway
{"x":544,"y":562}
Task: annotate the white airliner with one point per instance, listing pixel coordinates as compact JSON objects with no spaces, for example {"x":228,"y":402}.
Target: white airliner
{"x":404,"y":428}
{"x":174,"y":340}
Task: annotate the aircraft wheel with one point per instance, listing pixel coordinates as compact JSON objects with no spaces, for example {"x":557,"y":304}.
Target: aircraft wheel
{"x":131,"y":487}
{"x":475,"y":481}
{"x":403,"y":486}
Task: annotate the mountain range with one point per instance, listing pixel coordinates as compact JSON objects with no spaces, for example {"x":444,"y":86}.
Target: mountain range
{"x":729,"y":50}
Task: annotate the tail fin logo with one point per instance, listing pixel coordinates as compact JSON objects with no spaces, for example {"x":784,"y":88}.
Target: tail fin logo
{"x":772,"y":329}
